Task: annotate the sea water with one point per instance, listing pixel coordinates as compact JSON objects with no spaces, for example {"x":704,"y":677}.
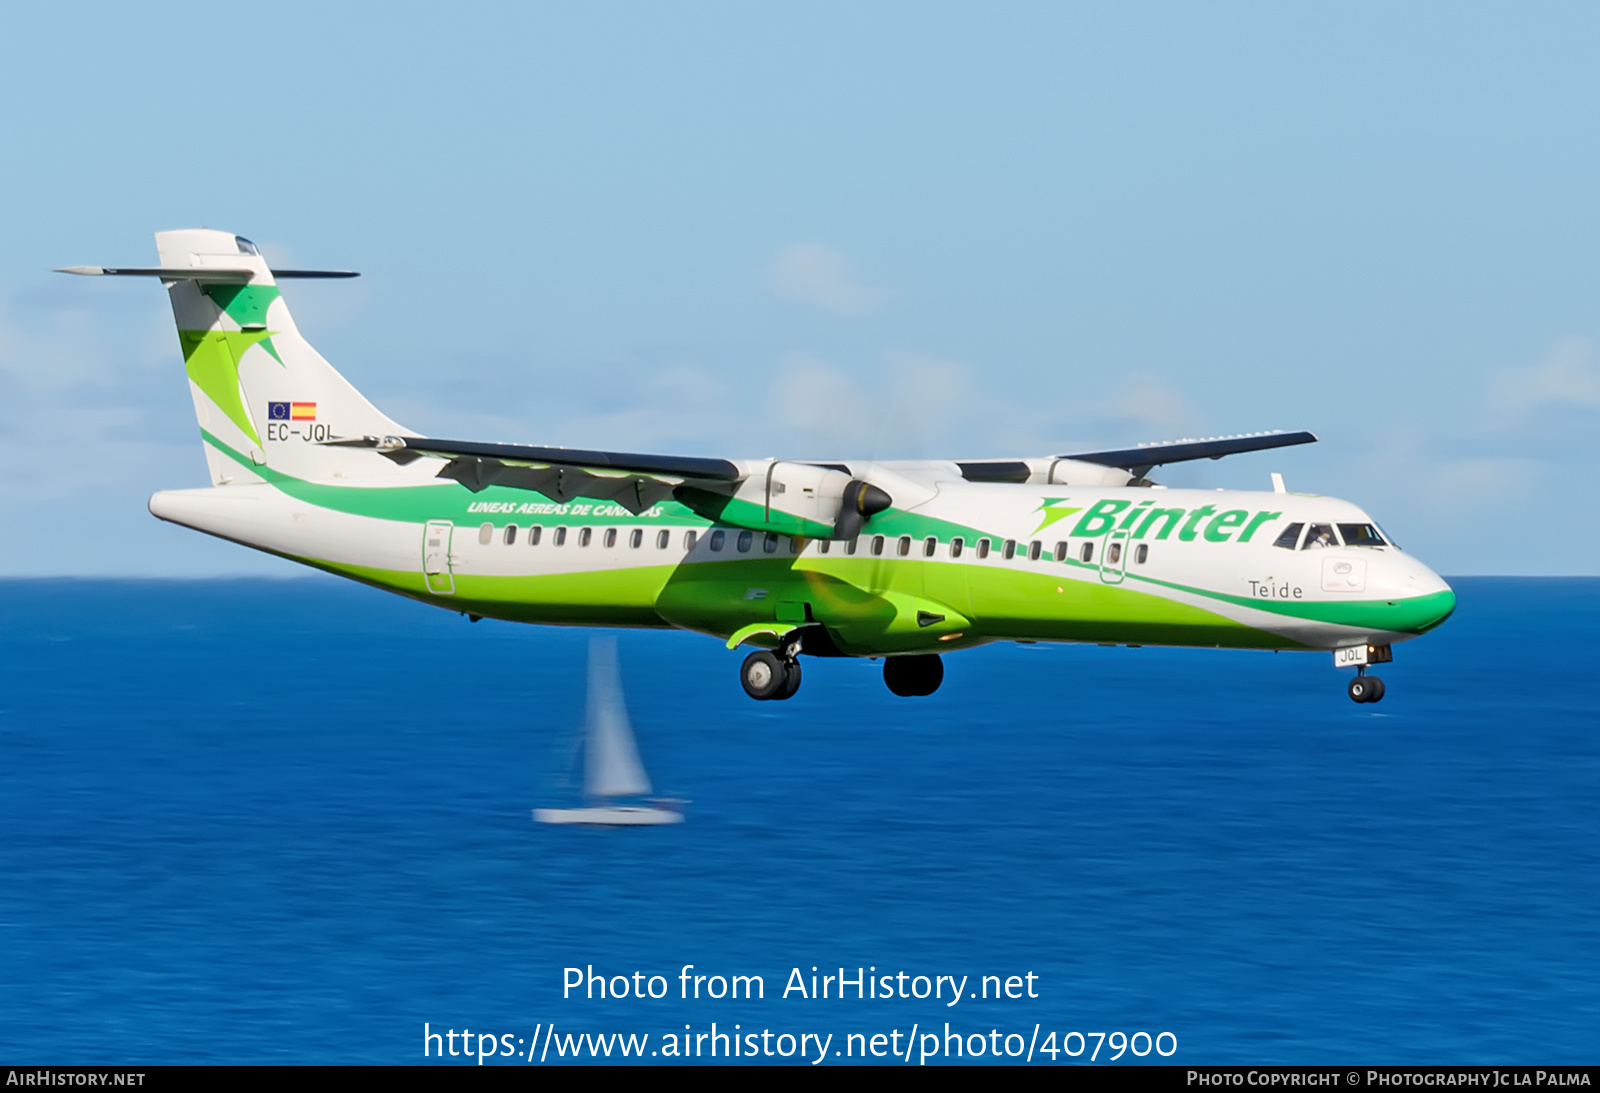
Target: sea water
{"x":289,"y":821}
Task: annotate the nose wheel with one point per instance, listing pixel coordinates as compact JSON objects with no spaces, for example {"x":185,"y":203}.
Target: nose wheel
{"x":1365,"y":688}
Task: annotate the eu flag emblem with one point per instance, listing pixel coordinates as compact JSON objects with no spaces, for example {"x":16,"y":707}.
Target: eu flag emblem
{"x":277,"y":411}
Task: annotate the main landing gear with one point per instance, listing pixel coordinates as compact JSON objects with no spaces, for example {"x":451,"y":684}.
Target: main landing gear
{"x":769,"y":676}
{"x":1365,"y":688}
{"x":913,"y":676}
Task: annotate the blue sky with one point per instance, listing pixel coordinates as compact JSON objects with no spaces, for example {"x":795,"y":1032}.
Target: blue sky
{"x":887,"y":230}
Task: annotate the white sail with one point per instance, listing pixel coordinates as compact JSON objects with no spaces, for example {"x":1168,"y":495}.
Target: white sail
{"x":612,"y":767}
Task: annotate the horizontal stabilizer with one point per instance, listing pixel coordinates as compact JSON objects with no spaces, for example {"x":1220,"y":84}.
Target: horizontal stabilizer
{"x":396,"y":447}
{"x":1139,"y":460}
{"x":215,"y":274}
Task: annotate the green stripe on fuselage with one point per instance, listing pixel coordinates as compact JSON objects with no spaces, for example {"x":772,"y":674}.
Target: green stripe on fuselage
{"x":862,"y":593}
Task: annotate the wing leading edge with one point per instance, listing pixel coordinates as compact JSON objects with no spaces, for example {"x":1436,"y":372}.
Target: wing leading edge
{"x":1141,"y":459}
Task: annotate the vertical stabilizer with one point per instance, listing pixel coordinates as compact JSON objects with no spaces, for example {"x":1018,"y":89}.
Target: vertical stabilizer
{"x":263,"y":396}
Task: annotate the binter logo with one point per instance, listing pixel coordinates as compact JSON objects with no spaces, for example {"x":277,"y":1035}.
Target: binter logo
{"x":1146,"y":520}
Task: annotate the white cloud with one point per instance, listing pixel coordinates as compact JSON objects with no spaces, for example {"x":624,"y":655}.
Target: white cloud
{"x":811,"y":274}
{"x":1569,"y":375}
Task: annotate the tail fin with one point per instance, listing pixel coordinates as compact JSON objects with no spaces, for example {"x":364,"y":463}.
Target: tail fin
{"x":263,"y":396}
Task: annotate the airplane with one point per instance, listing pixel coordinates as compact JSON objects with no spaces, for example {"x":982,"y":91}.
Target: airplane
{"x":902,"y":561}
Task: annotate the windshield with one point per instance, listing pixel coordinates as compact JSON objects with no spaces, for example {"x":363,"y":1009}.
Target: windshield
{"x":1360,"y":535}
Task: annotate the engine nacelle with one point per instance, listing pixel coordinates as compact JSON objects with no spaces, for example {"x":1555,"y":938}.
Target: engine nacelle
{"x":791,"y":499}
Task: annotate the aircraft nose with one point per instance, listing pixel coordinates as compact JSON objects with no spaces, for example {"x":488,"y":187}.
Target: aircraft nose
{"x":1432,"y":599}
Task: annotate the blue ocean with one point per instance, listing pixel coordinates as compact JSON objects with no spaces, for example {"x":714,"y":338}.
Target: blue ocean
{"x":289,"y":822}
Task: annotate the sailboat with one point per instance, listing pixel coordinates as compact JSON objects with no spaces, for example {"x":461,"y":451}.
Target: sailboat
{"x":612,"y":768}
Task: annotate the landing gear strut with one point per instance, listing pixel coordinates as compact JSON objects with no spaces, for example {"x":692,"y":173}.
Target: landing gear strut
{"x":913,"y":676}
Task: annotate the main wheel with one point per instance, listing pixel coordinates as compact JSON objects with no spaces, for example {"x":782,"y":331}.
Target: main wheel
{"x":764,"y":676}
{"x":791,"y":677}
{"x":1365,"y":689}
{"x":914,"y":676}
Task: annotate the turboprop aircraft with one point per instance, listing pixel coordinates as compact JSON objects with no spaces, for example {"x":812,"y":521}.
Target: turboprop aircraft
{"x":903,"y":561}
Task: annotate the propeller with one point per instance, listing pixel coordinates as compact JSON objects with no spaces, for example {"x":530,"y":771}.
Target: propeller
{"x":861,"y":502}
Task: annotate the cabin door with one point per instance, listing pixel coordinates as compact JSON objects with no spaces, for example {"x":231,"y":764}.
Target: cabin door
{"x":1114,"y":557}
{"x":436,"y":557}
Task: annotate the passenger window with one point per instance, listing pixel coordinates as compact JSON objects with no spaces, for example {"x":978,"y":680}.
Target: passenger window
{"x":1290,"y":537}
{"x":769,"y":543}
{"x":928,"y":546}
{"x":663,"y":537}
{"x":585,"y":536}
{"x":1360,"y":535}
{"x":689,"y":538}
{"x":1061,"y":551}
{"x":1086,"y":552}
{"x":904,"y":547}
{"x":851,"y":545}
{"x":611,"y":537}
{"x":485,"y":533}
{"x":1319,"y":536}
{"x":1113,"y":554}
{"x":1035,"y":548}
{"x":877,"y":544}
{"x":822,"y":546}
{"x":794,"y":544}
{"x":718,"y":538}
{"x":533,"y":535}
{"x":636,"y":538}
{"x":561,"y":537}
{"x":1141,"y":553}
{"x":1009,"y":551}
{"x":983,"y":548}
{"x":511,"y":534}
{"x":955,"y":547}
{"x":745,"y":539}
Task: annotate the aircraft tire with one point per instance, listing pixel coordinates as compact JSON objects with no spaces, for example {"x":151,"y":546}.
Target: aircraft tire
{"x":1377,"y":689}
{"x":913,"y":676}
{"x":764,"y":676}
{"x":1364,"y":689}
{"x":791,"y":680}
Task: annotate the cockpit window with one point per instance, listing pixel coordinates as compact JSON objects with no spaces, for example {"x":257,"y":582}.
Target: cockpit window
{"x":1319,"y":536}
{"x":1360,"y":535}
{"x":245,"y":246}
{"x":1290,"y":537}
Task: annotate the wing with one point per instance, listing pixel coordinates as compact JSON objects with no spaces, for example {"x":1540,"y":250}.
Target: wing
{"x":1099,"y":468}
{"x":1139,"y":460}
{"x":634,"y":481}
{"x":786,"y":498}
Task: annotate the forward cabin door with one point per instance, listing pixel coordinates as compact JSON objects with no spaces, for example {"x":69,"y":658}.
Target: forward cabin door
{"x":1114,"y":557}
{"x":436,"y":557}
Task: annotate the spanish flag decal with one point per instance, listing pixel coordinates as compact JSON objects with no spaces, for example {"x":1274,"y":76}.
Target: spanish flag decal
{"x":291,"y":411}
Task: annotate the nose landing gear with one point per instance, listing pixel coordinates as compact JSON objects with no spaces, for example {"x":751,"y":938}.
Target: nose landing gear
{"x":1363,"y":688}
